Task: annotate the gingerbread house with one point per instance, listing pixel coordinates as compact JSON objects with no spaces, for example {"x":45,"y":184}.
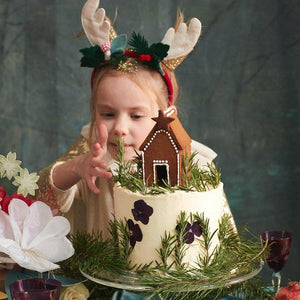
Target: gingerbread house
{"x":163,"y":150}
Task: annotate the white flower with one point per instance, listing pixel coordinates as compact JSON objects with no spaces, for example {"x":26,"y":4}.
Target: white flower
{"x":26,"y":182}
{"x":9,"y":165}
{"x":32,"y":237}
{"x":74,"y":292}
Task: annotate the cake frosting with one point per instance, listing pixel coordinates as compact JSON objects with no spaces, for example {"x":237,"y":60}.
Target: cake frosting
{"x":156,"y":215}
{"x":173,"y":219}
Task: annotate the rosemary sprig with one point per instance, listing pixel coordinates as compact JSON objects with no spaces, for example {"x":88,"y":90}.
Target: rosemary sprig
{"x":236,"y":255}
{"x":205,"y":258}
{"x":128,"y":175}
{"x":180,"y":246}
{"x":165,"y":252}
{"x":120,"y":239}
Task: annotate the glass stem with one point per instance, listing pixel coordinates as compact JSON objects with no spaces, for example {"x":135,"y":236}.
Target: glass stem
{"x":276,"y":280}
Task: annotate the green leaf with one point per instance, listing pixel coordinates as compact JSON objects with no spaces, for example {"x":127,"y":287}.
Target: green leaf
{"x":118,"y":45}
{"x":139,"y":44}
{"x":92,"y":57}
{"x":159,"y":51}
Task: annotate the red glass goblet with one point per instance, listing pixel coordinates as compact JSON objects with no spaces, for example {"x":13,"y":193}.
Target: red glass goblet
{"x":279,"y":244}
{"x":35,"y":289}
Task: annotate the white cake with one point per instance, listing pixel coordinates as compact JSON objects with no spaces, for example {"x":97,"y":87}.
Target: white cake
{"x":169,"y":161}
{"x":163,"y":218}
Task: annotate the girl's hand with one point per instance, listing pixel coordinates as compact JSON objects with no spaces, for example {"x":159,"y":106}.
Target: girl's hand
{"x":91,"y":165}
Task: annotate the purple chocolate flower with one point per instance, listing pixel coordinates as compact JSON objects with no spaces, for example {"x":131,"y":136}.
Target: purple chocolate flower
{"x":190,"y":232}
{"x":142,"y":211}
{"x":136,"y":235}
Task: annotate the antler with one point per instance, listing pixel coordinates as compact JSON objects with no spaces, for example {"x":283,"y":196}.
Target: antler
{"x":181,"y":41}
{"x":96,"y":27}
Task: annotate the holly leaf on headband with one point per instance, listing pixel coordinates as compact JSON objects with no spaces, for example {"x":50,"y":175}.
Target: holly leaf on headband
{"x":138,"y":44}
{"x":159,"y":51}
{"x":92,"y":57}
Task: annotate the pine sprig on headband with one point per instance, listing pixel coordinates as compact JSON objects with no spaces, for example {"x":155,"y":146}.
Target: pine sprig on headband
{"x":151,"y":56}
{"x":139,"y":44}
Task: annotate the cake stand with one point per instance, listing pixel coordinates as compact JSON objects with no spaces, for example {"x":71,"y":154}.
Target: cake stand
{"x":135,"y":282}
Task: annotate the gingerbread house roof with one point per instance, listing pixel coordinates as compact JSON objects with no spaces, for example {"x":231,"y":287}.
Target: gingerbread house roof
{"x":172,"y":124}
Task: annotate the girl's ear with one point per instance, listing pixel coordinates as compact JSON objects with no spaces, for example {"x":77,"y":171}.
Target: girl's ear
{"x":171,"y":111}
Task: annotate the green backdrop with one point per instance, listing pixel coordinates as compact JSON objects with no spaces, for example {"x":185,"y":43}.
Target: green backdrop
{"x":239,"y":93}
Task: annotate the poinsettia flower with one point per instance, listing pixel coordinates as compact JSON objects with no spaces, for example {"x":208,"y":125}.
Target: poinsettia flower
{"x":142,"y":211}
{"x":136,"y":235}
{"x":2,"y":194}
{"x":6,"y":199}
{"x":26,"y":182}
{"x":32,"y":237}
{"x":9,"y":165}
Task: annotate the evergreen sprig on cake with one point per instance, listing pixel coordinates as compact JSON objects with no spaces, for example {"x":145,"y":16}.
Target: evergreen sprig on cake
{"x":193,"y":178}
{"x":237,"y":255}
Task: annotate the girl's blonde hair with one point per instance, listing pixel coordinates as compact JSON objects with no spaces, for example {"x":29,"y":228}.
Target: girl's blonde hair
{"x":147,"y":79}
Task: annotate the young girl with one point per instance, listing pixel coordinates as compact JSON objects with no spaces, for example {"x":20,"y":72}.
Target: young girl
{"x":128,"y":89}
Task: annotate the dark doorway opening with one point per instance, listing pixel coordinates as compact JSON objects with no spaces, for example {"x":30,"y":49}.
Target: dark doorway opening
{"x":161,"y":175}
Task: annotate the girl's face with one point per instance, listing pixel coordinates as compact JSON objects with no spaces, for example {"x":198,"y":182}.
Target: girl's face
{"x":124,"y":108}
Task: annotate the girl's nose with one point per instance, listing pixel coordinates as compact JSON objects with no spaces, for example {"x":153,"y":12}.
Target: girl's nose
{"x":121,"y":127}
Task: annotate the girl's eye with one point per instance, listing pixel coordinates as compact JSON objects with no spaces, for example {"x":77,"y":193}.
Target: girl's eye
{"x":107,"y":114}
{"x":136,"y":116}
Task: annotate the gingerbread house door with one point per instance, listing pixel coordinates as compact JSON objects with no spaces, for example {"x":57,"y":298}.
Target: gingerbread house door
{"x":161,"y":172}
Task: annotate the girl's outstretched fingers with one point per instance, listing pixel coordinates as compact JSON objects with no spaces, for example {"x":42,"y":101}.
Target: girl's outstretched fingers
{"x":102,"y":136}
{"x":97,"y":165}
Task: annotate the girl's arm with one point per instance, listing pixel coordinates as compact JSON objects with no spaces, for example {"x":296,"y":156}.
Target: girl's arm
{"x":59,"y":200}
{"x":87,"y":166}
{"x":63,"y":174}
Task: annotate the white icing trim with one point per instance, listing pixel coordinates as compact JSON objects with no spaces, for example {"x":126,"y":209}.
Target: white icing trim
{"x":143,"y":166}
{"x":177,"y":157}
{"x":156,"y":133}
{"x":160,"y":163}
{"x":169,"y":111}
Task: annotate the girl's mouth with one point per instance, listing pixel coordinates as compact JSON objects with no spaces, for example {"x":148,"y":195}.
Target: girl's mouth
{"x":114,"y":145}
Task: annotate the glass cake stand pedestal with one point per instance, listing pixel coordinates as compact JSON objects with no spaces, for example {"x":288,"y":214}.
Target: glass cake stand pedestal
{"x":134,"y":282}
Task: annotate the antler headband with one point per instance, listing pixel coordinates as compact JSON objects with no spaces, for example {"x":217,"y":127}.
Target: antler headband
{"x":108,"y":47}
